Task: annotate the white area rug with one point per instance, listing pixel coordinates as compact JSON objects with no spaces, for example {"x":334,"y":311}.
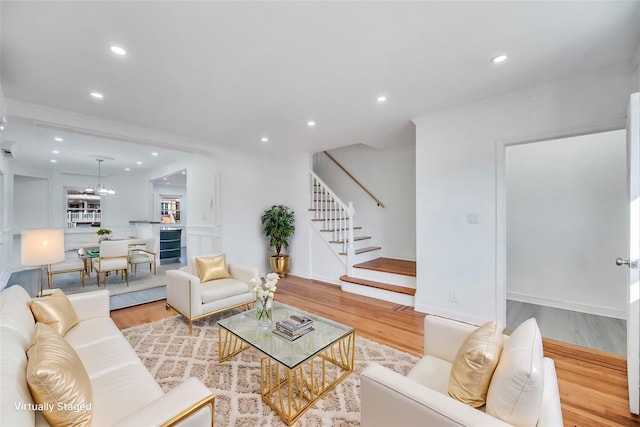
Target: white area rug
{"x":172,"y":356}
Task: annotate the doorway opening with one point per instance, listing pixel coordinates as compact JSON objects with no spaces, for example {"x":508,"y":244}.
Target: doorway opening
{"x":566,"y":206}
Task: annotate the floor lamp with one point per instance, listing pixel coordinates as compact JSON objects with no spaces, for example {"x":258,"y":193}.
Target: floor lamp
{"x":41,"y":247}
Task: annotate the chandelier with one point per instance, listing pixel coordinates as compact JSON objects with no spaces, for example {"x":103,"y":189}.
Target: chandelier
{"x":99,"y":189}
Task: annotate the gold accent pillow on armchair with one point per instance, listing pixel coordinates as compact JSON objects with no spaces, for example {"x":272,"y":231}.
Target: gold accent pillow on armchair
{"x":212,"y":268}
{"x":474,"y":365}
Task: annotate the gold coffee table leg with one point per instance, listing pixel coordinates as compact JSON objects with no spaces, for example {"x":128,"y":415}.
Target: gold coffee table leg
{"x":229,"y":345}
{"x":291,"y":392}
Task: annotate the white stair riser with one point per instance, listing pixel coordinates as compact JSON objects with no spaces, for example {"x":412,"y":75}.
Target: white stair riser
{"x":380,"y":294}
{"x":358,"y":244}
{"x":384,"y":277}
{"x":366,"y":256}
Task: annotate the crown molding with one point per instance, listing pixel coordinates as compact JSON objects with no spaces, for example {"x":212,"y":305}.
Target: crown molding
{"x":619,"y":70}
{"x":47,"y":117}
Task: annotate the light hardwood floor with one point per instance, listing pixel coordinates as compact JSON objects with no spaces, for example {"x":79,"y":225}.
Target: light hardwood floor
{"x":593,"y":386}
{"x":587,"y":330}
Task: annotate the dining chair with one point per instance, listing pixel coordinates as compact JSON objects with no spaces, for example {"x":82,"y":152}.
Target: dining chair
{"x":114,"y":256}
{"x":67,"y":266}
{"x":143,"y":255}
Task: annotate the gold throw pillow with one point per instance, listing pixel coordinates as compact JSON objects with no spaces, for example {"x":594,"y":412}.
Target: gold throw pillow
{"x":212,"y":268}
{"x":57,"y":379}
{"x":474,"y":365}
{"x":56,"y":311}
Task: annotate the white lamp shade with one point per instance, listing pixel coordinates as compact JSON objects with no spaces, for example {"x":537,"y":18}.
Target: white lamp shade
{"x":42,"y":246}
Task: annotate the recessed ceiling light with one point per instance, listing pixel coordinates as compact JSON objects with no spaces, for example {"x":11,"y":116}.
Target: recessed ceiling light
{"x":165,"y":178}
{"x":54,"y":161}
{"x":118,"y":50}
{"x":55,"y":152}
{"x":127,"y":169}
{"x":184,"y":172}
{"x":97,"y":95}
{"x":58,"y":139}
{"x":168,"y":183}
{"x":264,"y":139}
{"x":138,"y":162}
{"x":154,"y":154}
{"x":381,"y":98}
{"x":311,"y":123}
{"x":498,"y":59}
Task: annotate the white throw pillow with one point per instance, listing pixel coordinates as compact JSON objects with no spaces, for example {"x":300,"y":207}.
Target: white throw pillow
{"x":515,"y":391}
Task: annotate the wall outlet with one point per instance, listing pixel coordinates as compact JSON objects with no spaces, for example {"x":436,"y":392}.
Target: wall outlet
{"x":453,"y":296}
{"x":473,"y":218}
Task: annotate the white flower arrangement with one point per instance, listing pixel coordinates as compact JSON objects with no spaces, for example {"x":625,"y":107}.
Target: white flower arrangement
{"x":264,"y":289}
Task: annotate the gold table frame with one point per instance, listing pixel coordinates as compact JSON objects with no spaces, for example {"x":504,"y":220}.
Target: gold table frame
{"x":290,"y":392}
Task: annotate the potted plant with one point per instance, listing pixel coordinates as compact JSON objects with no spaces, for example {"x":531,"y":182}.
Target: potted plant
{"x":278,"y":222}
{"x":103,"y":233}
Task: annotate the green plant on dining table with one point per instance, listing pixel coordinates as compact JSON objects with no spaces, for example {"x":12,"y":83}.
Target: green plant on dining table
{"x":103,"y":231}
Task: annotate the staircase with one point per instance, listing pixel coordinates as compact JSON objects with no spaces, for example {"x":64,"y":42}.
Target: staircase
{"x":367,"y":272}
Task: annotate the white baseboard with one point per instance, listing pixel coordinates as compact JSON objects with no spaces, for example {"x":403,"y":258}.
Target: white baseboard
{"x":455,"y":315}
{"x":582,"y":308}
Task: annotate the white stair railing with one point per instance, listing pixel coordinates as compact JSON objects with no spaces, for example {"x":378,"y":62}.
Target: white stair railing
{"x":334,"y":214}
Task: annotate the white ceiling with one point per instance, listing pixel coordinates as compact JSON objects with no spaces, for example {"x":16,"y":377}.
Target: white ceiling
{"x":233,"y":72}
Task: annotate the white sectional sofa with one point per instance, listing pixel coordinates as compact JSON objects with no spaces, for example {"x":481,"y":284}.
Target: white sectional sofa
{"x":124,"y":392}
{"x":527,"y":386}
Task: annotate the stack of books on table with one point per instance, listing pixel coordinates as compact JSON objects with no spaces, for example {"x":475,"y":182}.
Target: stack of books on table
{"x":293,"y":327}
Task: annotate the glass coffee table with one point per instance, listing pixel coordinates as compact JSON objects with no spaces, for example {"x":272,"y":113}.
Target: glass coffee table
{"x":294,"y":374}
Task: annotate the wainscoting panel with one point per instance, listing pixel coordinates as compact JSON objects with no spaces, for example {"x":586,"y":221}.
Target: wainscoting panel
{"x":204,"y":240}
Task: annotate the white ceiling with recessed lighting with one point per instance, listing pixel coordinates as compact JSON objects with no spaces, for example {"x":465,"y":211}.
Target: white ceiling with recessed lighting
{"x":237,"y":73}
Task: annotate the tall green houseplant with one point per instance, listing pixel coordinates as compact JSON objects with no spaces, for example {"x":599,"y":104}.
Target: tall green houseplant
{"x":278,"y":222}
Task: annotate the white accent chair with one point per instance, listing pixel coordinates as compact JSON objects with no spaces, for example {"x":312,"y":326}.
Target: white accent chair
{"x":421,"y":397}
{"x":195,"y":300}
{"x":146,"y":255}
{"x":114,"y":256}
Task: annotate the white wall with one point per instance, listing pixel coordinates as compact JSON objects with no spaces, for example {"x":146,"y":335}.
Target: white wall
{"x":636,"y":64}
{"x":252,"y":183}
{"x":456,"y":175}
{"x":30,"y":197}
{"x":6,"y":213}
{"x":566,"y":223}
{"x":389,"y":175}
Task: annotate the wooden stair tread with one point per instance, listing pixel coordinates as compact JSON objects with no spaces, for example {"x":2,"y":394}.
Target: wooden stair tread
{"x":355,"y":239}
{"x":379,"y":285}
{"x":363,"y":250}
{"x":336,"y":229}
{"x":390,"y":265}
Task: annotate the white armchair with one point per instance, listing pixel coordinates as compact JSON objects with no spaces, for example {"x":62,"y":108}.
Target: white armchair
{"x":196,"y":300}
{"x":421,"y":397}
